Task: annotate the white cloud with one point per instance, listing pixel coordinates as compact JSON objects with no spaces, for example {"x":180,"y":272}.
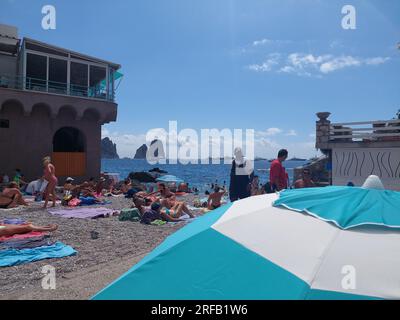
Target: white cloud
{"x":267,"y":65}
{"x":265,"y":41}
{"x":268,"y":132}
{"x":291,"y":133}
{"x":127,"y":144}
{"x":302,"y":64}
{"x":376,"y":61}
{"x":261,"y":42}
{"x":339,"y":63}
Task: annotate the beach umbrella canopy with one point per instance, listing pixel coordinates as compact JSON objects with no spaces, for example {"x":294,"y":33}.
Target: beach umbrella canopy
{"x":168,"y":178}
{"x":258,"y":248}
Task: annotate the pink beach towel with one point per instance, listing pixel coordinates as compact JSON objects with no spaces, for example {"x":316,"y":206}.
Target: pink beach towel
{"x":33,"y":234}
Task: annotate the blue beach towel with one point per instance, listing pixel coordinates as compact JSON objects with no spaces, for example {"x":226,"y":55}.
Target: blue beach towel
{"x":15,"y":221}
{"x":90,"y":201}
{"x":13,"y":257}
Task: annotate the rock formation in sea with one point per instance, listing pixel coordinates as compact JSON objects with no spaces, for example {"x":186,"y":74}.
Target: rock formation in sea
{"x":141,"y":152}
{"x":142,"y":177}
{"x":108,"y":149}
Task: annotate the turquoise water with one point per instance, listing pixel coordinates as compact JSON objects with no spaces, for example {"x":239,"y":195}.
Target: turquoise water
{"x":200,"y":176}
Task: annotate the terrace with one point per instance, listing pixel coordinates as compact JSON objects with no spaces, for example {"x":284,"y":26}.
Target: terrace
{"x":377,"y":133}
{"x":48,"y":69}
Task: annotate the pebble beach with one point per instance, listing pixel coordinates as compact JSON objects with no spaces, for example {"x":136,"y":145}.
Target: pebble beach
{"x":120,"y":244}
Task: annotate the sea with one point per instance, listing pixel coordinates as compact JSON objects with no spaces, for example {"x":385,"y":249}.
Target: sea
{"x":200,"y":176}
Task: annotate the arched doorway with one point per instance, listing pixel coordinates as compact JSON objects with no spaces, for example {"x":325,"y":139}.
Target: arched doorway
{"x":69,"y":154}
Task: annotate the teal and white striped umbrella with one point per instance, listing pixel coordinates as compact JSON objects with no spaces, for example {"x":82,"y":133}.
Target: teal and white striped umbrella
{"x":253,"y":249}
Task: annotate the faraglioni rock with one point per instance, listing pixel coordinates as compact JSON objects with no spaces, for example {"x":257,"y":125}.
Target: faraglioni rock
{"x":141,"y":152}
{"x":108,"y":149}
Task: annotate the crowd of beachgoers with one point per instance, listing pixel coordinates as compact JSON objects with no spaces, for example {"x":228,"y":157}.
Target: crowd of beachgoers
{"x":156,"y":204}
{"x":33,"y":214}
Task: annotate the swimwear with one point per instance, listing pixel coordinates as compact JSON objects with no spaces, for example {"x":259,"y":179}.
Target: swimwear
{"x":5,"y":206}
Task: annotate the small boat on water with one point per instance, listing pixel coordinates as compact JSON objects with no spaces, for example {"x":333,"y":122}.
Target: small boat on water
{"x":297,"y":159}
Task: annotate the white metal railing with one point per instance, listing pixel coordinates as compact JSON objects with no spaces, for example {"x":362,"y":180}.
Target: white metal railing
{"x":381,"y":130}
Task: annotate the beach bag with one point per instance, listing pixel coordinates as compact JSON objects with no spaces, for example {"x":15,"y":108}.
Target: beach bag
{"x":74,"y":202}
{"x":131,"y":214}
{"x":66,"y":200}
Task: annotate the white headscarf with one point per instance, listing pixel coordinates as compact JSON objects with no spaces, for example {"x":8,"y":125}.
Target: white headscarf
{"x":239,"y":158}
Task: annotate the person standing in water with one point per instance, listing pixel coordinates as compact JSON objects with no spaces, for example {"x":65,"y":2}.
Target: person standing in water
{"x":49,"y":174}
{"x":241,"y":176}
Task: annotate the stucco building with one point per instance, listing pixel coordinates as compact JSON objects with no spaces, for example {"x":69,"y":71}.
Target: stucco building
{"x":53,"y":101}
{"x":358,"y":149}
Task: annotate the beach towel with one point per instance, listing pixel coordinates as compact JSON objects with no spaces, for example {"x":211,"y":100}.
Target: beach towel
{"x":11,"y":209}
{"x":158,"y":222}
{"x":32,"y":234}
{"x":82,"y":213}
{"x":90,"y":201}
{"x":15,"y":221}
{"x":13,"y":257}
{"x":29,"y":243}
{"x":87,"y":201}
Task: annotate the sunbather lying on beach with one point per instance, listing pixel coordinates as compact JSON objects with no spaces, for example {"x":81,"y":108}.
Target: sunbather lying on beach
{"x":214,"y":199}
{"x":70,"y":188}
{"x":141,"y":204}
{"x":164,"y":191}
{"x":183,"y":187}
{"x":11,"y":197}
{"x":177,"y":211}
{"x":86,"y":190}
{"x":11,"y":229}
{"x":155,"y":213}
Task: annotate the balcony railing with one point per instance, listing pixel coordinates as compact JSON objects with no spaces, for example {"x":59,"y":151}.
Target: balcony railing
{"x":366,"y":131}
{"x":34,"y":84}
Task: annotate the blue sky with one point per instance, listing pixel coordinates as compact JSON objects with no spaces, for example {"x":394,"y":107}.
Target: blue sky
{"x":265,"y":65}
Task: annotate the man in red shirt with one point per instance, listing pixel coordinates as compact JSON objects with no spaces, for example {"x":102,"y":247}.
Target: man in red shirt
{"x":277,"y":176}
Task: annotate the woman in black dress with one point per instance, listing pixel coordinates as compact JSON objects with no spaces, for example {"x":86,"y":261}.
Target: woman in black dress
{"x":241,"y":177}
